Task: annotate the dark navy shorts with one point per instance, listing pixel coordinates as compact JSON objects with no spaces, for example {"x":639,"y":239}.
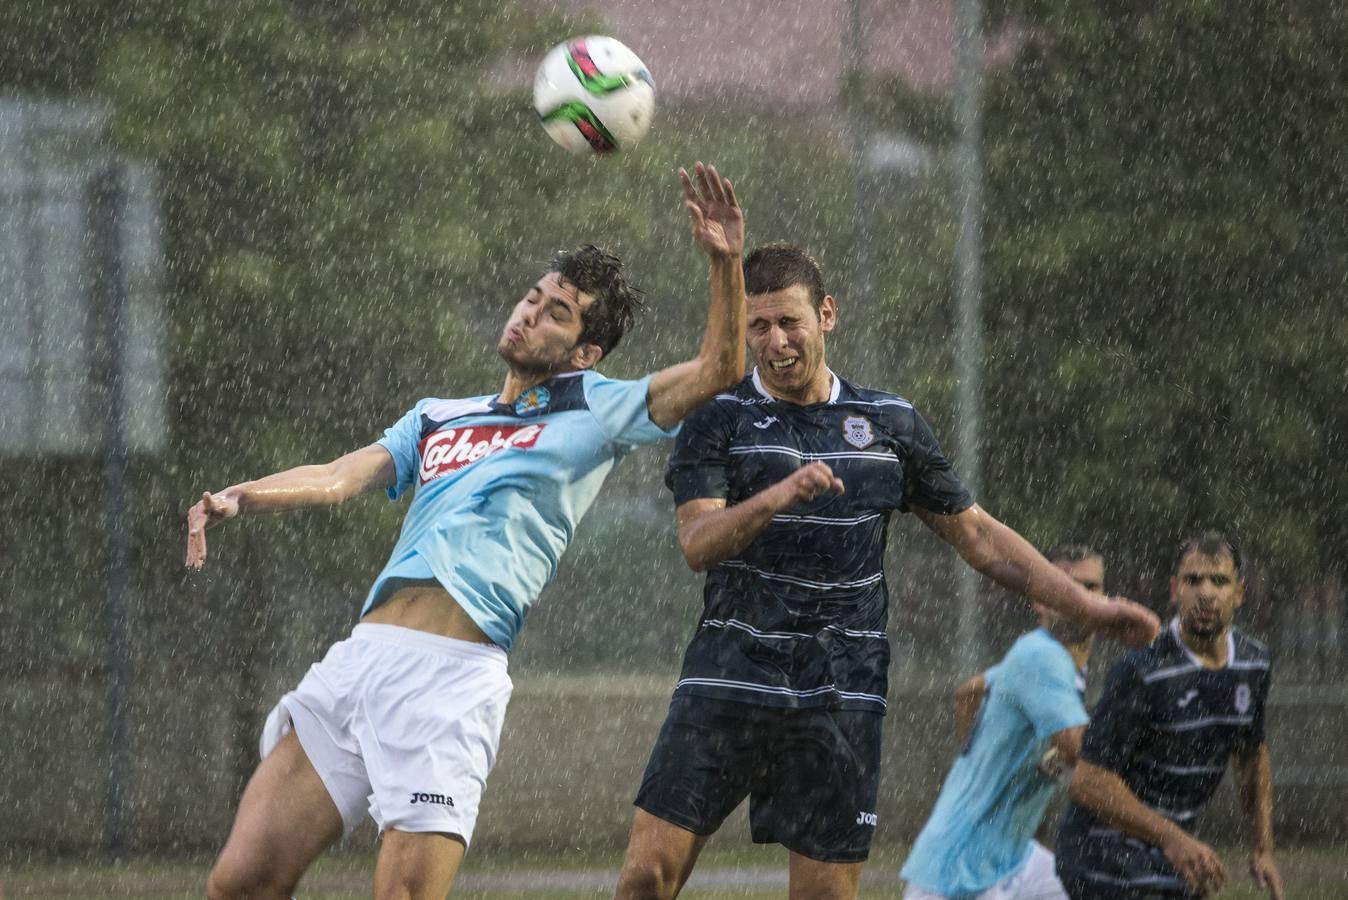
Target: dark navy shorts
{"x":811,"y":775}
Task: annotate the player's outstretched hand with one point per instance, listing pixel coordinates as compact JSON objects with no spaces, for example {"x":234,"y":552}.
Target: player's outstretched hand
{"x":1129,"y":623}
{"x":1264,"y":871}
{"x":1197,"y":864}
{"x":207,"y":511}
{"x":714,"y":213}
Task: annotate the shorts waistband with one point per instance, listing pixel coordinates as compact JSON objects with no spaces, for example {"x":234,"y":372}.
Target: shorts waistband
{"x":424,"y":640}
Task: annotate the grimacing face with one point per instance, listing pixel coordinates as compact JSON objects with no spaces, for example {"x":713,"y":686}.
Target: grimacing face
{"x":543,"y":332}
{"x":786,"y":339}
{"x":1206,"y":591}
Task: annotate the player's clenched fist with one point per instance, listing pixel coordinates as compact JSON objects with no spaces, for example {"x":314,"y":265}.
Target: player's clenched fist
{"x":809,"y":482}
{"x":207,"y":511}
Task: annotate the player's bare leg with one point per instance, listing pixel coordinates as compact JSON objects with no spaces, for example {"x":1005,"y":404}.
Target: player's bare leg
{"x":815,"y":880}
{"x":285,"y":819}
{"x":659,"y":859}
{"x":417,"y":865}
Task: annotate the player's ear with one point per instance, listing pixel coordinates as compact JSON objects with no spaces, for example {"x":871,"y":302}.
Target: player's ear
{"x":828,"y":313}
{"x":586,"y":356}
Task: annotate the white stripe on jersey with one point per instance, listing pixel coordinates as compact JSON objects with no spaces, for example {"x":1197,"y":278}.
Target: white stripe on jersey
{"x":772,"y":689}
{"x":786,"y":635}
{"x":826,"y":520}
{"x":445,"y":410}
{"x":801,"y":582}
{"x":1193,"y":724}
{"x":884,"y":456}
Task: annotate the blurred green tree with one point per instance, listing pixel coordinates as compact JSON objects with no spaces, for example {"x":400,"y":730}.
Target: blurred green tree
{"x":1165,"y":266}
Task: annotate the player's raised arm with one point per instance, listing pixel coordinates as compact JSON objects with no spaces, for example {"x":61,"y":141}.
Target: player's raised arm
{"x":717,"y":224}
{"x":1001,"y":554}
{"x":367,"y":469}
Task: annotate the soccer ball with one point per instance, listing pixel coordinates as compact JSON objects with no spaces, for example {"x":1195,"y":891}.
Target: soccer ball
{"x":594,"y":95}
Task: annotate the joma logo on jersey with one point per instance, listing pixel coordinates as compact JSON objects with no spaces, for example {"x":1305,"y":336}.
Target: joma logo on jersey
{"x":440,"y":799}
{"x":865,"y":818}
{"x":453,"y":448}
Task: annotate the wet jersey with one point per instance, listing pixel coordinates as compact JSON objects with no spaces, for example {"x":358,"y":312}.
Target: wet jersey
{"x":499,"y":488}
{"x":797,"y":618}
{"x":1167,"y":726}
{"x":982,"y":828}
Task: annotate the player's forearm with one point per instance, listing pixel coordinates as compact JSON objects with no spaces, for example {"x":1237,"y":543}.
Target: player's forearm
{"x":1253,"y":773}
{"x":721,"y":357}
{"x":1104,"y":793}
{"x":296,"y":488}
{"x":716,"y":536}
{"x":1003,"y":555}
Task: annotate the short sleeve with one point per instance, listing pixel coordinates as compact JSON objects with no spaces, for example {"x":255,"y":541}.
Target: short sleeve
{"x":929,"y":480}
{"x":1119,"y":720}
{"x":699,"y":464}
{"x":1043,"y":686}
{"x":402,"y":440}
{"x":622,"y":409}
{"x":1254,"y":735}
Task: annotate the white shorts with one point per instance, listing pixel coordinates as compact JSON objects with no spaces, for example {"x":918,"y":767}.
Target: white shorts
{"x":1035,"y":880}
{"x":402,"y":724}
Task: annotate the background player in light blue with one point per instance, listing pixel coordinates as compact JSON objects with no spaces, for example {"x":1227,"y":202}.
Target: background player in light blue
{"x":403,"y":718}
{"x":1021,"y":722}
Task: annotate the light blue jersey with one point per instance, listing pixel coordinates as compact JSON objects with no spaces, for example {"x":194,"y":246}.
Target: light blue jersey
{"x":500,"y":488}
{"x":982,"y":828}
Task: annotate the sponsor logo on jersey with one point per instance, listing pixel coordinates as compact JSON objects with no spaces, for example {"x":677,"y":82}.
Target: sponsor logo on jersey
{"x":857,"y":431}
{"x":1242,"y":698}
{"x":451,"y":449}
{"x":765,"y":423}
{"x":865,"y":818}
{"x":439,"y":799}
{"x":533,"y":401}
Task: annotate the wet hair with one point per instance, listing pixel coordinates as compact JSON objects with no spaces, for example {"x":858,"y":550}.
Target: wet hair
{"x":1072,"y":553}
{"x":616,"y":302}
{"x":1208,"y":543}
{"x":778,"y":266}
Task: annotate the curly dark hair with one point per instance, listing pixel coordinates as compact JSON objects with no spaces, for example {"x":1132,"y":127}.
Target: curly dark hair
{"x":616,"y":301}
{"x":778,"y":266}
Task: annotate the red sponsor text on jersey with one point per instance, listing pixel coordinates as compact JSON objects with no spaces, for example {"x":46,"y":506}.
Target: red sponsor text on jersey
{"x":451,"y":449}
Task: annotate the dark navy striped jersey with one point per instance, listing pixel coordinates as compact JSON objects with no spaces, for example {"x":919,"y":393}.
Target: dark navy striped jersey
{"x":797,"y":619}
{"x":1167,"y":727}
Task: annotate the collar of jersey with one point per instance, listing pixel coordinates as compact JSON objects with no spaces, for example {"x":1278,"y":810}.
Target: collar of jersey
{"x":1193,"y":657}
{"x":497,"y":406}
{"x":832,"y":394}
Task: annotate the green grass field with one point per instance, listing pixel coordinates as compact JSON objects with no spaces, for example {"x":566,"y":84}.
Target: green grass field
{"x":743,"y":872}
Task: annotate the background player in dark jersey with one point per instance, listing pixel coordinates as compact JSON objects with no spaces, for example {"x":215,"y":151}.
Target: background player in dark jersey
{"x":1171,"y":717}
{"x":784,"y":488}
{"x":402,"y":719}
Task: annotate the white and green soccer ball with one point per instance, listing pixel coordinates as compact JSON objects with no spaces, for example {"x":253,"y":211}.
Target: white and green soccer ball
{"x":594,"y":95}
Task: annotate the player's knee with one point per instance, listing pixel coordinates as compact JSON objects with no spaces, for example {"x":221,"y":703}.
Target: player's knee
{"x":231,"y":880}
{"x":649,"y":878}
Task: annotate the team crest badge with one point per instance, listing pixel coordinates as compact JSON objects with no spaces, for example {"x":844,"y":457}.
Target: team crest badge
{"x":532,"y":402}
{"x":1242,"y":698}
{"x":857,"y":431}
